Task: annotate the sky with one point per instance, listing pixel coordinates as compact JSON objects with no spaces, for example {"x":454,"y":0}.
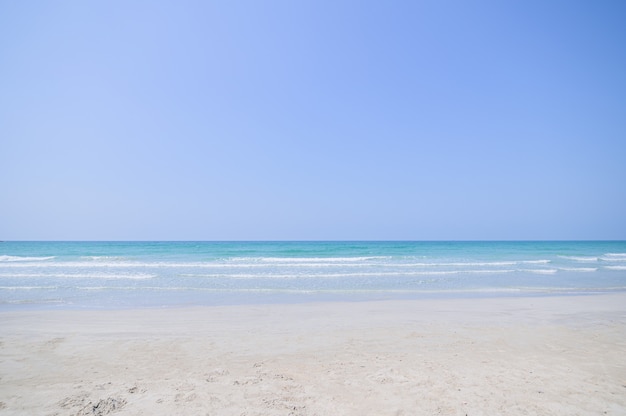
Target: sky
{"x":312,"y":120}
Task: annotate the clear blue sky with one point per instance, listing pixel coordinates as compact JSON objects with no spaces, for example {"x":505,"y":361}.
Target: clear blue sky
{"x":229,"y":120}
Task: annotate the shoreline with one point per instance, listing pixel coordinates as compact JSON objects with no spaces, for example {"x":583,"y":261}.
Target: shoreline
{"x":269,"y":297}
{"x":500,"y":355}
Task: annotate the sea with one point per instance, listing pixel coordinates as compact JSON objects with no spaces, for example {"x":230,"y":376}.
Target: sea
{"x":121,"y":275}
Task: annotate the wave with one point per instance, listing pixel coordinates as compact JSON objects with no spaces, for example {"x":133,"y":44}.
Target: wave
{"x":80,"y":275}
{"x":582,"y":259}
{"x":292,"y":291}
{"x":103,"y":265}
{"x":586,"y":290}
{"x":540,"y":271}
{"x":5,"y":258}
{"x":579,"y":269}
{"x":462,"y":264}
{"x":516,"y":289}
{"x":105,"y":258}
{"x":614,"y":257}
{"x":299,"y":263}
{"x":340,"y":275}
{"x":28,"y":287}
{"x":305,"y":259}
{"x":615,"y":267}
{"x":490,"y":263}
{"x":337,"y":262}
{"x":287,"y":274}
{"x":351,"y":260}
{"x":32,"y":301}
{"x":622,"y":255}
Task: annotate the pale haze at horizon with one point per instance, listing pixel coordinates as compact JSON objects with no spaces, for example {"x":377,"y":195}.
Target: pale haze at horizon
{"x":279,"y":120}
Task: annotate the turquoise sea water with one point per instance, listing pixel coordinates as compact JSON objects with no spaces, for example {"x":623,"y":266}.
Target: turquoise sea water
{"x":157,"y":274}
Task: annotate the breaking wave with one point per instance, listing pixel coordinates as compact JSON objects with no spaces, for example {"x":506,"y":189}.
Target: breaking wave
{"x":5,"y":258}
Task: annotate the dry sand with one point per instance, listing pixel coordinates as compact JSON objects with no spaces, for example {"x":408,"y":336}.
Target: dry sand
{"x":504,"y":356}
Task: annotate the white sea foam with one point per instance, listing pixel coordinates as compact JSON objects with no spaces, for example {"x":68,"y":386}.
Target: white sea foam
{"x":622,"y":255}
{"x":164,"y":288}
{"x":543,"y":261}
{"x":28,"y":287}
{"x":318,"y":263}
{"x":579,"y":269}
{"x":5,"y":258}
{"x":581,"y":259}
{"x":305,"y":259}
{"x":130,"y":264}
{"x":614,"y":257}
{"x":288,"y":275}
{"x":79,"y":275}
{"x":32,"y":301}
{"x":354,"y":290}
{"x":300,"y":263}
{"x":487,"y":263}
{"x":615,"y":267}
{"x":105,"y":258}
{"x":540,"y":271}
{"x":132,"y":276}
{"x":89,"y":265}
{"x":297,"y":291}
{"x":549,"y":289}
{"x":453,"y":264}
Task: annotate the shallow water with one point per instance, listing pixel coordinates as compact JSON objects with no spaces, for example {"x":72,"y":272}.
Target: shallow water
{"x":156,"y":274}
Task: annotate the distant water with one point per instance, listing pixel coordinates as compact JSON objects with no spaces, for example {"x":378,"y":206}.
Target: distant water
{"x":157,"y":274}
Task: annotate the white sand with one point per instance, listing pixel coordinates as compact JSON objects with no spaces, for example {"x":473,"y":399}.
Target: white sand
{"x":506,"y":356}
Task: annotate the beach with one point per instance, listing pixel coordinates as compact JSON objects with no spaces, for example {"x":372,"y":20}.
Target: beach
{"x":548,"y":355}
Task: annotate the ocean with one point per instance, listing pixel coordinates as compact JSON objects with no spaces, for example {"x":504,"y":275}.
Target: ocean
{"x":115,"y":275}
